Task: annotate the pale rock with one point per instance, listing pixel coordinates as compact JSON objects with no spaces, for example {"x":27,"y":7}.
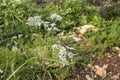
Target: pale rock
{"x":101,"y":72}
{"x":115,"y":77}
{"x":105,"y":66}
{"x":58,"y":42}
{"x":95,"y":76}
{"x":89,"y":66}
{"x":86,"y":27}
{"x":117,"y":48}
{"x":108,"y":55}
{"x":35,"y":35}
{"x":119,"y":55}
{"x":97,"y":67}
{"x":77,"y":38}
{"x":63,"y":37}
{"x":88,"y":77}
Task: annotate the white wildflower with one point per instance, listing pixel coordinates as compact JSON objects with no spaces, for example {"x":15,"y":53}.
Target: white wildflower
{"x":34,"y":21}
{"x":62,"y":48}
{"x":31,"y":67}
{"x":71,"y":55}
{"x":14,"y":49}
{"x":1,"y":71}
{"x":63,"y":54}
{"x":46,"y":24}
{"x":60,"y":34}
{"x":53,"y":28}
{"x":53,"y":24}
{"x":20,"y":35}
{"x":14,"y":37}
{"x":1,"y":77}
{"x":56,"y":17}
{"x":30,"y":21}
{"x":55,"y":46}
{"x":56,"y":29}
{"x":49,"y":29}
{"x":64,"y":61}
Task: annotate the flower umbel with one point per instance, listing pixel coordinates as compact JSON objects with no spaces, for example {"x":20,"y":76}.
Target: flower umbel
{"x":56,"y":17}
{"x":63,"y":54}
{"x":34,"y":21}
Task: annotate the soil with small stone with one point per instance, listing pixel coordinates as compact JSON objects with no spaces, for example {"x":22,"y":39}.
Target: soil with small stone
{"x":113,"y":69}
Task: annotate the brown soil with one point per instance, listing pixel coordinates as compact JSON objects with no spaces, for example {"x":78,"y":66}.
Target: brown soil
{"x":113,"y":69}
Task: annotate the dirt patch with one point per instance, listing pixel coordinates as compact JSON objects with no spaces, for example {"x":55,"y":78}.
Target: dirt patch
{"x":113,"y":62}
{"x":112,"y":71}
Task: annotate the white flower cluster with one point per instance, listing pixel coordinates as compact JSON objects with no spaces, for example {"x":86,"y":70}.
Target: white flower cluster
{"x":53,"y":27}
{"x":15,"y":37}
{"x":34,"y":21}
{"x":56,"y":17}
{"x":63,"y":54}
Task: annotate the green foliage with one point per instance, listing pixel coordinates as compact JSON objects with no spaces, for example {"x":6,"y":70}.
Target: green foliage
{"x":13,"y":18}
{"x":106,"y":37}
{"x":37,"y":59}
{"x":30,"y":51}
{"x":74,"y":12}
{"x":111,"y":10}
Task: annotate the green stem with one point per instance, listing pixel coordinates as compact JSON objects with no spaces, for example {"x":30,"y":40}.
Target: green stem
{"x":19,"y":68}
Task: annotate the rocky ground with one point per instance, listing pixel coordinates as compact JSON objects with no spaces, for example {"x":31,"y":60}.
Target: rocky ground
{"x":107,"y":68}
{"x":102,"y":69}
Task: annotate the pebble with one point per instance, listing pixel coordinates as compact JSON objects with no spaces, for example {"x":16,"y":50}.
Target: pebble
{"x":101,"y":72}
{"x":115,"y":77}
{"x":89,"y":66}
{"x":119,"y":55}
{"x":105,"y":66}
{"x":88,"y":77}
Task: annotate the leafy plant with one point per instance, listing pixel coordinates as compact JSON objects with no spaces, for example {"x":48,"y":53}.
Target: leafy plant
{"x":13,"y":20}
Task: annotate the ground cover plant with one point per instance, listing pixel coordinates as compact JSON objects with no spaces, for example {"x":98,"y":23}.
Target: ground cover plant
{"x":62,"y":40}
